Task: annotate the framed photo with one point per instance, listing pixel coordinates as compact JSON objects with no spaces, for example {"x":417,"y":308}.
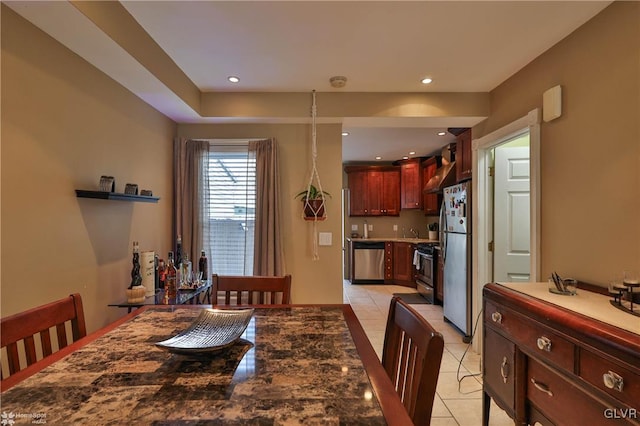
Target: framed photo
{"x":146,"y":192}
{"x":131,"y":189}
{"x":107,"y":184}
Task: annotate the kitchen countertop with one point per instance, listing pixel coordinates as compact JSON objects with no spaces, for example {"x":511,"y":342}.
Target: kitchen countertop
{"x":392,"y":239}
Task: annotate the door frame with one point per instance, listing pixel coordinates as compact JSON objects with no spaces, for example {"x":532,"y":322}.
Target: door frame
{"x":482,"y":198}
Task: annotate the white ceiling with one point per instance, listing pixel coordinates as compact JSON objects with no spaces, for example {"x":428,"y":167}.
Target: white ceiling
{"x":296,"y":46}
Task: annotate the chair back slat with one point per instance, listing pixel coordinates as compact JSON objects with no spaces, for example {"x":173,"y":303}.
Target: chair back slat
{"x":45,"y":340}
{"x":252,"y":289}
{"x":31,"y":327}
{"x":411,"y":357}
{"x":13,"y":359}
{"x":30,"y":349}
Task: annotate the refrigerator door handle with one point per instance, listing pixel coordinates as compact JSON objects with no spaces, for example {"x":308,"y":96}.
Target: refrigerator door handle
{"x":443,"y":235}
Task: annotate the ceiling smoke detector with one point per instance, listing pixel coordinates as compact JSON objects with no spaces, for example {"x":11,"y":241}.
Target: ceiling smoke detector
{"x":338,"y":81}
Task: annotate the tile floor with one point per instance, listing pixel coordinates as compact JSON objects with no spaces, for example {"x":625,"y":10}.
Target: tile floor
{"x":455,"y":403}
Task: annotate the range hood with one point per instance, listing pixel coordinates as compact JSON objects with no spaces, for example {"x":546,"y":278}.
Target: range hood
{"x":445,"y":176}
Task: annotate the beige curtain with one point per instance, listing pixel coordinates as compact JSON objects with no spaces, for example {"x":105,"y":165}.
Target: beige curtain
{"x":189,"y":180}
{"x":268,"y":257}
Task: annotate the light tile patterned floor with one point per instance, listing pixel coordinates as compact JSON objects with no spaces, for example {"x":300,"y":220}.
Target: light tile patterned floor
{"x":456,"y":403}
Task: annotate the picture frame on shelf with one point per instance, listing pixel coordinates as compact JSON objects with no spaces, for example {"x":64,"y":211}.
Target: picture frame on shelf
{"x":146,"y":192}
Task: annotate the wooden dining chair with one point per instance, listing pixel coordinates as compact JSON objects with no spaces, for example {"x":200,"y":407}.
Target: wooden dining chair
{"x":31,"y":329}
{"x":411,"y":356}
{"x":251,"y":290}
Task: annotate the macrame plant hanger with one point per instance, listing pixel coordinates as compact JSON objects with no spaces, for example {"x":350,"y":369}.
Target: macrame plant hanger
{"x":313,"y":211}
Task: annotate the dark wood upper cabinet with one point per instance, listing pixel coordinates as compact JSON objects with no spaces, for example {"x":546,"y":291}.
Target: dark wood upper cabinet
{"x":391,"y":193}
{"x":358,"y":193}
{"x":463,"y":156}
{"x":430,"y":202}
{"x":374,"y":190}
{"x":411,"y":184}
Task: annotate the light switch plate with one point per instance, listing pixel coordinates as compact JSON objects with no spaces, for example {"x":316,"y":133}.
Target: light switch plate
{"x":354,"y":227}
{"x":324,"y":238}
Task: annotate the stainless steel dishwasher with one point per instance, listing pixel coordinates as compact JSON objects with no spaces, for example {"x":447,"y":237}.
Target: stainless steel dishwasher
{"x":368,"y":262}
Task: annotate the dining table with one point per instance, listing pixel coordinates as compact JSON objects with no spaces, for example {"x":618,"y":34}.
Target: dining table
{"x":293,"y":365}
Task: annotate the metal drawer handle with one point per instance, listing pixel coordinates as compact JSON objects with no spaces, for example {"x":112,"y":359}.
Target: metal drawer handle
{"x":544,"y":343}
{"x":541,"y":387}
{"x":497,"y":317}
{"x":504,"y":369}
{"x":613,"y":381}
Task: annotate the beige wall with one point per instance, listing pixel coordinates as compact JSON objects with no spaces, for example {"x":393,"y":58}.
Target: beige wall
{"x":313,"y":281}
{"x":590,"y":156}
{"x":64,"y":124}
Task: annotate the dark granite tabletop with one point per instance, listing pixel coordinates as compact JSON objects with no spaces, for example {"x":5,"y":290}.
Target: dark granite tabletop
{"x":292,"y":366}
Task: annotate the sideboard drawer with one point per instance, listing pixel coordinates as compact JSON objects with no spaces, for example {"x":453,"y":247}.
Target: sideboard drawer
{"x":563,"y":402}
{"x":529,"y":334}
{"x":612,"y":378}
{"x":499,"y":369}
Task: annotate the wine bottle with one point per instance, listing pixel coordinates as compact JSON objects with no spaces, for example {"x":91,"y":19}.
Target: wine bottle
{"x":203,"y":267}
{"x":170,"y":283}
{"x":178,"y":259}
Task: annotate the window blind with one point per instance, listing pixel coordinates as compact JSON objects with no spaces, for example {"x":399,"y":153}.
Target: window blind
{"x":230,"y":210}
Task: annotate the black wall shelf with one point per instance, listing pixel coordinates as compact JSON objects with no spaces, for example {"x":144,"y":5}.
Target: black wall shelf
{"x":102,"y":195}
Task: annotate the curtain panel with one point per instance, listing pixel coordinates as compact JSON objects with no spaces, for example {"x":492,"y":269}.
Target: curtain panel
{"x":189,"y":183}
{"x":268,"y":257}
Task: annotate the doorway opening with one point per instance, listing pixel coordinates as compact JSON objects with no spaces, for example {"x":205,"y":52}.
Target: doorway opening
{"x":484,"y":150}
{"x":511,"y":210}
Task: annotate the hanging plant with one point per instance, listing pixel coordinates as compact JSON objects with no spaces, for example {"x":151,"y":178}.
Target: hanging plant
{"x":313,"y":201}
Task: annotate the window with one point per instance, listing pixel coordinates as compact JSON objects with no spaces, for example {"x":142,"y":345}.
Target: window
{"x":230,"y":211}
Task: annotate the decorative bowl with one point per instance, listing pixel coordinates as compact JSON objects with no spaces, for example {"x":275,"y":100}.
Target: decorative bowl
{"x":213,"y":330}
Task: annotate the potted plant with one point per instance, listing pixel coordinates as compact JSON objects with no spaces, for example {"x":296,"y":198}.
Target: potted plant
{"x":313,"y":201}
{"x":433,"y":230}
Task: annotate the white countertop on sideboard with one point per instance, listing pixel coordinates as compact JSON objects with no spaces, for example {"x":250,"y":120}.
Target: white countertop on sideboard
{"x":587,"y":303}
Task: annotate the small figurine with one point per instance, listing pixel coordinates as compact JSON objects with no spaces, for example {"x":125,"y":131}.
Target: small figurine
{"x":136,"y":278}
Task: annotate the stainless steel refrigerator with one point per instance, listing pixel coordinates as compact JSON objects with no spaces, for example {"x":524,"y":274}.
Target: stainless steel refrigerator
{"x":455,"y":242}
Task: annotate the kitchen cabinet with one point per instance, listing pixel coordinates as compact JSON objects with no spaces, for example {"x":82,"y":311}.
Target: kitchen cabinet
{"x":463,"y":156}
{"x":388,"y":262}
{"x":411,"y":184}
{"x":404,"y":272}
{"x":358,"y":187}
{"x":544,"y":363}
{"x":374,"y":190}
{"x":431,"y":202}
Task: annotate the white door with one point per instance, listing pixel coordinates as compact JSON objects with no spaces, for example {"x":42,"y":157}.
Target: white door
{"x":512,"y":223}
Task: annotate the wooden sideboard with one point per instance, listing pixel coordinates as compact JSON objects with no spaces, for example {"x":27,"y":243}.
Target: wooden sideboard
{"x":546,"y":364}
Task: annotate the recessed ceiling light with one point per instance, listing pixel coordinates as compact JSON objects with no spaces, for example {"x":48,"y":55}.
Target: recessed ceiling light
{"x":378,"y":157}
{"x":233,"y":79}
{"x":345,"y":133}
{"x":441,"y":133}
{"x":405,"y":158}
{"x":412,"y":153}
{"x":426,"y":80}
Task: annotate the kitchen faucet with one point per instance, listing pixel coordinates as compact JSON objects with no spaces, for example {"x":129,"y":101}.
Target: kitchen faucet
{"x":415,"y":233}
